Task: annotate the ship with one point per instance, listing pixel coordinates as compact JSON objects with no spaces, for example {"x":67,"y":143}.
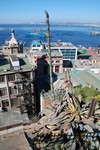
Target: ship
{"x":95,"y":33}
{"x":36,"y":33}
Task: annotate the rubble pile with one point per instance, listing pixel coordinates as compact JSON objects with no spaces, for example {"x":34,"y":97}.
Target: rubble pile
{"x":68,"y":124}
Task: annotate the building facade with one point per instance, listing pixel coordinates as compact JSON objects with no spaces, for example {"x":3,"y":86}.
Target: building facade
{"x":12,"y":46}
{"x":40,"y":59}
{"x":16,"y":82}
{"x":36,"y":45}
{"x":68,"y":50}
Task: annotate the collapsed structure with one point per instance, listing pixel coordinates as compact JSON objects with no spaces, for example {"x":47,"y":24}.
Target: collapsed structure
{"x":68,"y":124}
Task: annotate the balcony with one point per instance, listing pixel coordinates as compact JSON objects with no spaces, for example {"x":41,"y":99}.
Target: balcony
{"x":4,"y":97}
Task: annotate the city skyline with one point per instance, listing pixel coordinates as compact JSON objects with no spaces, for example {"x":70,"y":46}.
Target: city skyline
{"x":25,"y":11}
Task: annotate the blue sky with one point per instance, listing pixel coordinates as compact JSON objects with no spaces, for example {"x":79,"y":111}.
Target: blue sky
{"x":32,"y":11}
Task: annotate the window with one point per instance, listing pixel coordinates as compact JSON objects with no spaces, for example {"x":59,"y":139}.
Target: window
{"x":14,"y":102}
{"x":56,"y":68}
{"x":3,"y":91}
{"x":14,"y":50}
{"x":33,"y":45}
{"x":38,"y":45}
{"x":52,"y":68}
{"x":55,"y":49}
{"x":19,"y":87}
{"x":26,"y":74}
{"x":57,"y":61}
{"x":11,"y":77}
{"x":68,"y":53}
{"x":12,"y":90}
{"x":5,"y":103}
{"x":2,"y":78}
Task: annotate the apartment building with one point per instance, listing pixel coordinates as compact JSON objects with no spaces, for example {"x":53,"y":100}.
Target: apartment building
{"x":16,"y":82}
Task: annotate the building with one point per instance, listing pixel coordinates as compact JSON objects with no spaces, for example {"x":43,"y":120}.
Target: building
{"x":16,"y":82}
{"x":36,"y":45}
{"x":12,"y":46}
{"x":95,"y":60}
{"x":12,"y":120}
{"x":83,"y":54}
{"x":68,"y":50}
{"x":14,"y":140}
{"x":90,"y":77}
{"x":95,"y":55}
{"x":40,"y":59}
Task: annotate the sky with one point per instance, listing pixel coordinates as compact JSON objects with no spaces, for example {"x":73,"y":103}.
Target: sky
{"x":60,"y":11}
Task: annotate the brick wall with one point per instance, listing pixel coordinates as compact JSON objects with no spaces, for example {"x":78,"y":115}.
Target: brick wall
{"x":45,"y":102}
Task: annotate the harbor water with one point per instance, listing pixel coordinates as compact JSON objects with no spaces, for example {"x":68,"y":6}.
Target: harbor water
{"x":76,"y":34}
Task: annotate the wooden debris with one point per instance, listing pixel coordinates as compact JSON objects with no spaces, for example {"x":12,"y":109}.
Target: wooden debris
{"x":68,"y":125}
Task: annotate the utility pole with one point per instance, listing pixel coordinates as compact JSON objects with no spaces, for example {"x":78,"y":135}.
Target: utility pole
{"x":49,"y":54}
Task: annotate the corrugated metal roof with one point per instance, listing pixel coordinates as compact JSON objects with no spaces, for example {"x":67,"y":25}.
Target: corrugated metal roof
{"x":85,"y":77}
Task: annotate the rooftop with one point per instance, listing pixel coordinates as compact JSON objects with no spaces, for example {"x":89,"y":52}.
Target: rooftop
{"x":44,"y":52}
{"x":84,"y":64}
{"x":83,"y":52}
{"x":14,"y":141}
{"x":61,"y":44}
{"x":83,"y":77}
{"x":5,"y":64}
{"x":36,"y":42}
{"x":12,"y":118}
{"x":14,"y":58}
{"x":25,"y":64}
{"x":94,"y":52}
{"x":86,"y":78}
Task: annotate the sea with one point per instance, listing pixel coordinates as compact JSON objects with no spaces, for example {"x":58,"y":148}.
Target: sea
{"x":76,"y":34}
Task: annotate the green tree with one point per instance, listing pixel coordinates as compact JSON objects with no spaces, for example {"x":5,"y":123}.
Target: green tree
{"x":87,"y":93}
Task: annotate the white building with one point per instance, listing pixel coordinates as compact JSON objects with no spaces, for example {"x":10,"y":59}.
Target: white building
{"x":12,"y":46}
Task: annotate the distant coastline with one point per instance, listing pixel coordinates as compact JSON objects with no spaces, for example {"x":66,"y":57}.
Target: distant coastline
{"x":3,"y":28}
{"x":54,"y":23}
